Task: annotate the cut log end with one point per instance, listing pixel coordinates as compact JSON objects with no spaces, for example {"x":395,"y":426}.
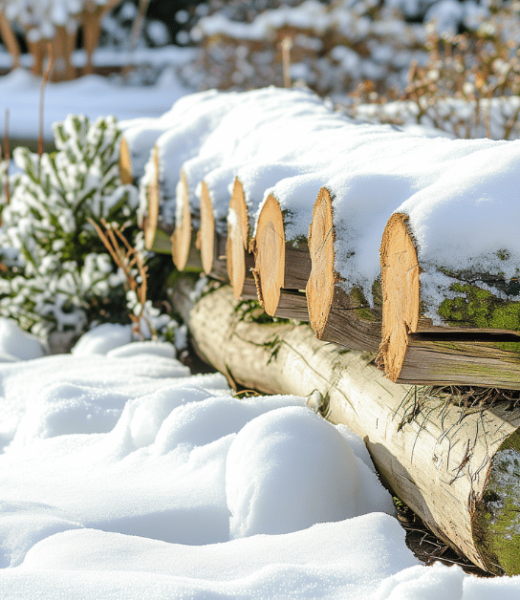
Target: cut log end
{"x":206,"y":233}
{"x":237,"y":241}
{"x":152,"y":215}
{"x":320,"y":287}
{"x":181,"y":238}
{"x":269,"y":250}
{"x":125,"y":163}
{"x":400,"y":288}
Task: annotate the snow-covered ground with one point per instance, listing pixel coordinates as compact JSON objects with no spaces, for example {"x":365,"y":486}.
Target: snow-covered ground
{"x":93,"y":95}
{"x":122,"y":476}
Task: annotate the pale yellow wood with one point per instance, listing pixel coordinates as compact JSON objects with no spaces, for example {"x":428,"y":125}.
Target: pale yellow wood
{"x":269,"y":251}
{"x":206,"y":233}
{"x":320,"y":287}
{"x":238,"y":237}
{"x":400,"y":283}
{"x":153,"y":194}
{"x":181,"y":238}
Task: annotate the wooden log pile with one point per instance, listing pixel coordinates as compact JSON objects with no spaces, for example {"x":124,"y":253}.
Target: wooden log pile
{"x":400,"y":311}
{"x":277,"y":213}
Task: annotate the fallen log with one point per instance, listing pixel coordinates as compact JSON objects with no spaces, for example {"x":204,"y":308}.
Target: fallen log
{"x":478,"y":340}
{"x":457,"y":468}
{"x":335,"y":315}
{"x":279,"y":264}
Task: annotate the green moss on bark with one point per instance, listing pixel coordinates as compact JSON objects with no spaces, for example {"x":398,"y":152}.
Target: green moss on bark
{"x":496,"y":520}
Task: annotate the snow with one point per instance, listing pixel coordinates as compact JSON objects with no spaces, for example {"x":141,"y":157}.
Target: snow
{"x":459,"y":194}
{"x":124,"y":476}
{"x":92,"y":95}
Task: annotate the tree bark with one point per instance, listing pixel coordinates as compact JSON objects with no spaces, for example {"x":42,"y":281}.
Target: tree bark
{"x":471,"y":347}
{"x":455,"y":467}
{"x":336,"y":316}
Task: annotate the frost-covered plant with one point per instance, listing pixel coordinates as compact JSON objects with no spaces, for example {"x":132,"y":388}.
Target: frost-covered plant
{"x":470,"y":85}
{"x":59,"y":275}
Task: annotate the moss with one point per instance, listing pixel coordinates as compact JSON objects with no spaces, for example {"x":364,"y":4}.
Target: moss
{"x":362,"y":308}
{"x":480,"y":308}
{"x":496,"y":520}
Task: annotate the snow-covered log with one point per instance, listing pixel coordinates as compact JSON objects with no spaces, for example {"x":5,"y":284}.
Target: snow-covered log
{"x":239,"y":260}
{"x":457,"y":468}
{"x":278,"y":263}
{"x":477,"y":339}
{"x":335,"y":315}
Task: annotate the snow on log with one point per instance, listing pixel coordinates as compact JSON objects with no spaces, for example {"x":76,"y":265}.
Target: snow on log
{"x":457,"y":468}
{"x":471,"y":345}
{"x":335,"y":315}
{"x":278,"y":264}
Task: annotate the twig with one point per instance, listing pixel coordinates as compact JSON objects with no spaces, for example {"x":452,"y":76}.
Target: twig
{"x":126,"y":258}
{"x":137,"y":27}
{"x":45,"y":79}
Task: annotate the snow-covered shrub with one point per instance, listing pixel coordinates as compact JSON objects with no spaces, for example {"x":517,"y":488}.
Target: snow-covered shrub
{"x":335,"y":45}
{"x":59,"y":275}
{"x":470,"y":86}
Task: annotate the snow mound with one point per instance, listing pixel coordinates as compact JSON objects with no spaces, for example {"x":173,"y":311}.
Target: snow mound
{"x":16,"y":344}
{"x":288,"y":470}
{"x":102,"y":339}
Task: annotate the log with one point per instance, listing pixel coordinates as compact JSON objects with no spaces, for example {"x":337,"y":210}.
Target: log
{"x":457,"y":468}
{"x":460,"y":351}
{"x":335,"y":315}
{"x":206,"y":235}
{"x":181,"y":237}
{"x":153,"y":201}
{"x":279,"y":264}
{"x":239,"y":260}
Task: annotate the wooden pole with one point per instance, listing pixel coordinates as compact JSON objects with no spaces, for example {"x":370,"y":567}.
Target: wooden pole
{"x":457,"y":468}
{"x":336,"y":316}
{"x":460,"y":351}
